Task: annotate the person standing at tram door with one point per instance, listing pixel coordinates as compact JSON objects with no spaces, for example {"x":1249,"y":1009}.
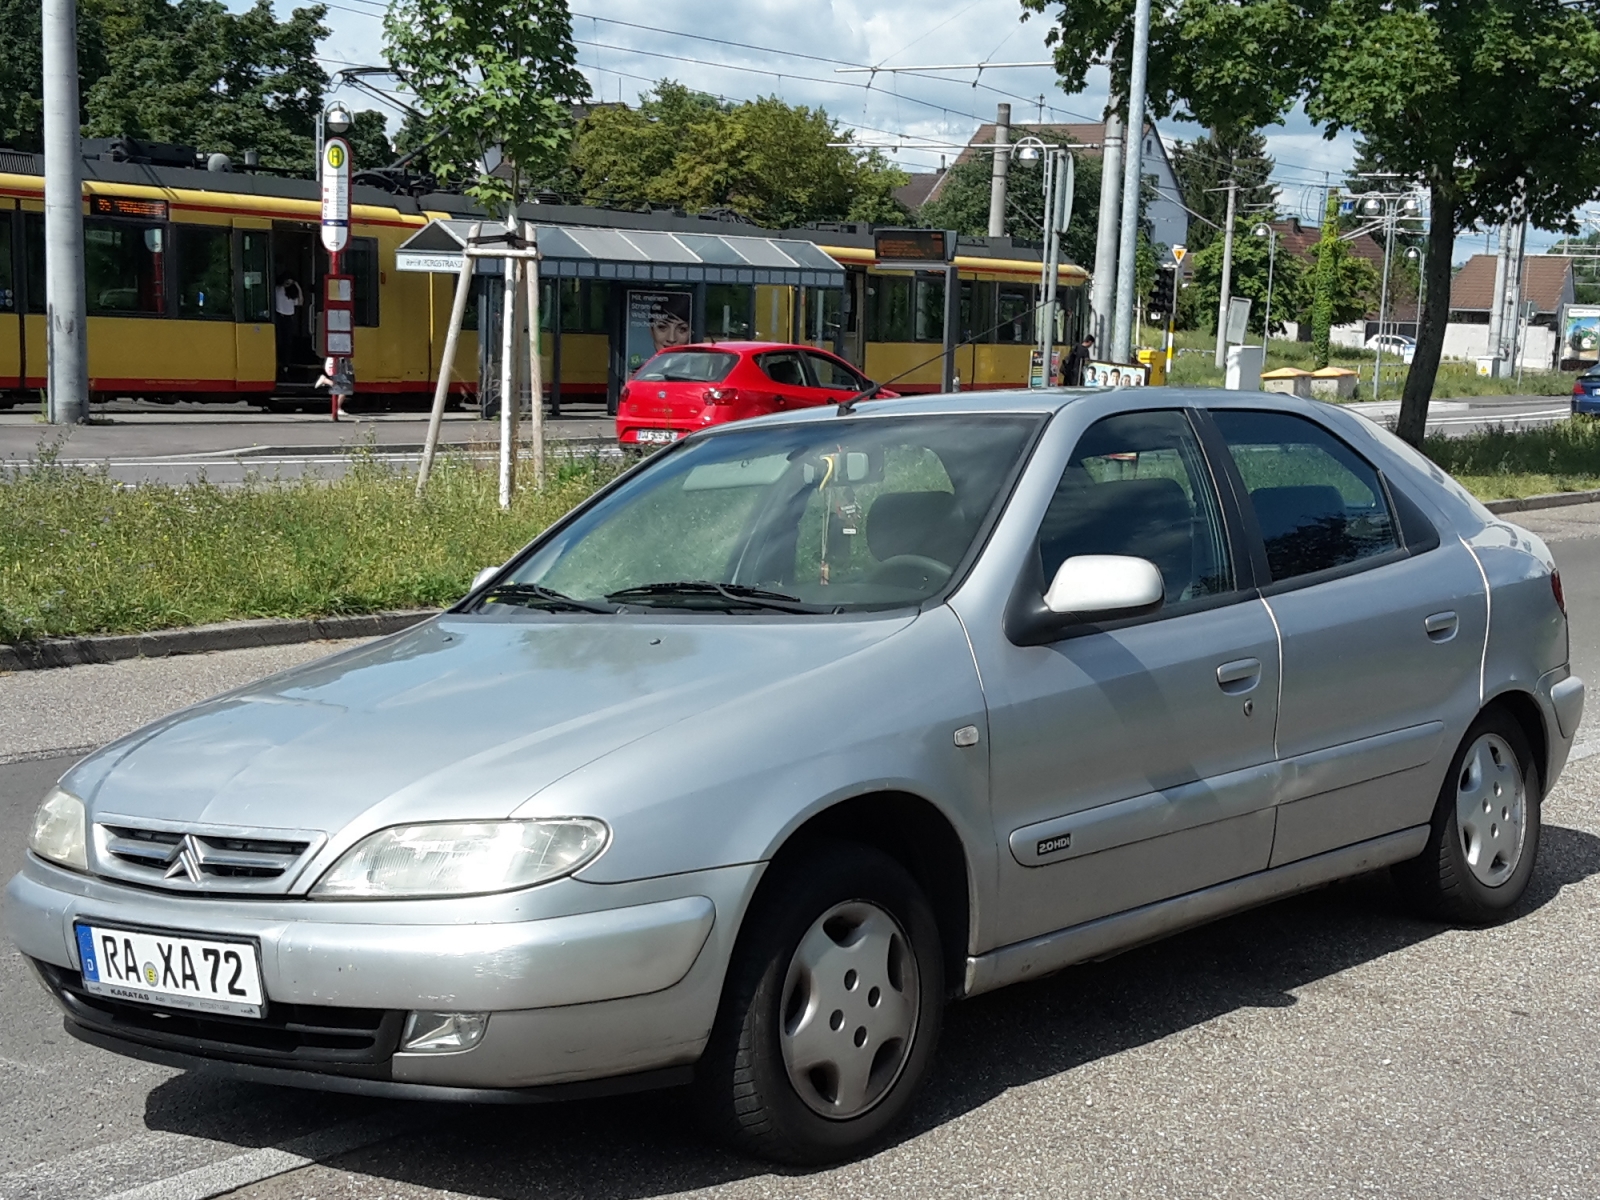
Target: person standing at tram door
{"x":286,"y":301}
{"x":1077,"y":359}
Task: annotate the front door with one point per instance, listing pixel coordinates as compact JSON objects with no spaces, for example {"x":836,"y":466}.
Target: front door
{"x":786,"y":379}
{"x":1382,"y":641}
{"x":832,"y":379}
{"x":1131,"y":762}
{"x":11,"y":303}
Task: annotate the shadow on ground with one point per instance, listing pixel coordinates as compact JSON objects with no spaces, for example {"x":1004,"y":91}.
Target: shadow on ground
{"x":648,"y":1145}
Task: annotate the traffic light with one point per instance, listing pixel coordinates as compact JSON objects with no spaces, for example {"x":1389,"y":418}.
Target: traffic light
{"x":1164,"y":293}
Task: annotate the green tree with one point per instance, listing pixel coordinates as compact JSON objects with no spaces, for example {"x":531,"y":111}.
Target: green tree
{"x":369,"y":140}
{"x":772,"y":162}
{"x":1203,"y":167}
{"x":963,"y":202}
{"x":195,"y":73}
{"x":1490,"y":105}
{"x":1253,"y":261}
{"x":490,"y":75}
{"x":21,"y":68}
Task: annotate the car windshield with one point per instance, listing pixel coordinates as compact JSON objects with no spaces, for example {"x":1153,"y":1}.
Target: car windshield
{"x":688,"y":366}
{"x":843,"y":515}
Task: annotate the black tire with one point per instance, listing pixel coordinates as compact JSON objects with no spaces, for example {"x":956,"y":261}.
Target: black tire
{"x":1442,"y":881}
{"x":746,"y":1093}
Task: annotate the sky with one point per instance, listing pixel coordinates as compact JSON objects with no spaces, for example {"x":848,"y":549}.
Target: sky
{"x":793,"y":49}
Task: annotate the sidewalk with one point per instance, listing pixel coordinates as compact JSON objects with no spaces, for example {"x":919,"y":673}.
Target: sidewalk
{"x":234,"y":433}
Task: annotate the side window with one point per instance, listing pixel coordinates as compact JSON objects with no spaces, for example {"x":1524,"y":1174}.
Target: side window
{"x":890,"y":297}
{"x":1015,"y":314}
{"x":361,"y":261}
{"x":1318,"y":502}
{"x":125,"y":266}
{"x":8,"y":283}
{"x":205,"y":272}
{"x":33,"y":258}
{"x":1138,"y":484}
{"x":783,"y":368}
{"x":254,"y":261}
{"x":831,"y":373}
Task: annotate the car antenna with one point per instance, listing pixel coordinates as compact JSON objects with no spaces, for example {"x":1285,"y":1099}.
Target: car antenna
{"x":846,"y":407}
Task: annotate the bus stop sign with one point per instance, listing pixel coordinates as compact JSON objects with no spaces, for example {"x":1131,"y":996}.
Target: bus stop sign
{"x":335,"y":195}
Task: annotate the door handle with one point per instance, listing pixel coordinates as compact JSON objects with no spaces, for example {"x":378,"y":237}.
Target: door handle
{"x":1441,"y":626}
{"x":1239,"y":676}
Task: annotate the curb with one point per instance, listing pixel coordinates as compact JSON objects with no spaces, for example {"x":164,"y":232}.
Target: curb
{"x":201,"y":639}
{"x":1549,"y":500}
{"x":390,"y":448}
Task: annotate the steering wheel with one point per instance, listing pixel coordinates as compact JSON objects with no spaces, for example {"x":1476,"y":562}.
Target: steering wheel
{"x":911,"y":571}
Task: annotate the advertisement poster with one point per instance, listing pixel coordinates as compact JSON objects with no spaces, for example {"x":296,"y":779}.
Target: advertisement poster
{"x":1580,"y":337}
{"x":1113,"y":375}
{"x":657,"y":320}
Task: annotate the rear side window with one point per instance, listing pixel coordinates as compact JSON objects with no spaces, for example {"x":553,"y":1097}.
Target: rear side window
{"x":1319,"y":504}
{"x":688,"y":366}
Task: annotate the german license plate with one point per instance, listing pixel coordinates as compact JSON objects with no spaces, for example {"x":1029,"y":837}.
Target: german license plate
{"x":657,"y":435}
{"x":172,"y":970}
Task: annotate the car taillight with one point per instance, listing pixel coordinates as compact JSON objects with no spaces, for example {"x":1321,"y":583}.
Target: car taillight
{"x":722,"y":395}
{"x":1561,"y":596}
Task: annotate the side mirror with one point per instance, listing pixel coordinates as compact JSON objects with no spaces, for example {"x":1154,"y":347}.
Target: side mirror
{"x":1087,"y":588}
{"x":1105,"y":586}
{"x":482,"y":577}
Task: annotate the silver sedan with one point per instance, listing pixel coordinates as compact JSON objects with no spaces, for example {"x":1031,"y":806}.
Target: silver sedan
{"x":802,"y":729}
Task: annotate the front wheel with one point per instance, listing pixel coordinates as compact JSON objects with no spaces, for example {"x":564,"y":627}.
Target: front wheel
{"x":1485,"y":836}
{"x":831,"y":1010}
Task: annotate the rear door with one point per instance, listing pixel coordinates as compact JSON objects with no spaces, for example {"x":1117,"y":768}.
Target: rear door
{"x":1382,"y":623}
{"x":785,"y":373}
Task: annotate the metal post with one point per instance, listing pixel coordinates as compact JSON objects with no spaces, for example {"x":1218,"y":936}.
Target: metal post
{"x":1057,"y":212}
{"x":1519,"y":246}
{"x":1227,"y":269}
{"x":441,"y":390}
{"x":530,"y":268}
{"x":1132,"y":183}
{"x":1391,"y":208}
{"x":67,"y":348}
{"x":997,"y":177}
{"x":1497,"y":302}
{"x":1103,"y":288}
{"x":509,"y":400}
{"x":1266,"y":324}
{"x":952,"y":326}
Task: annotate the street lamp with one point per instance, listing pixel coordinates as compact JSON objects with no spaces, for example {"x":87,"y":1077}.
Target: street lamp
{"x":1390,"y":206}
{"x":1266,"y":230}
{"x":1414,"y":254}
{"x":337,"y":119}
{"x":1057,"y":182}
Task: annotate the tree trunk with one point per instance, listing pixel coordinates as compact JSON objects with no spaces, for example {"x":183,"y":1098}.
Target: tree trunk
{"x":1413,"y":421}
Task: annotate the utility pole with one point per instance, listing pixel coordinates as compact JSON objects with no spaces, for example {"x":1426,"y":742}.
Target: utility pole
{"x":1227,"y":268}
{"x":1002,"y":163}
{"x":1103,"y":289}
{"x":67,"y":347}
{"x":1497,"y":302}
{"x":1132,"y":182}
{"x":1513,"y":315}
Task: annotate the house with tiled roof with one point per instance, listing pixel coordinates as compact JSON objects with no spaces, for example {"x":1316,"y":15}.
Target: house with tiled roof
{"x":1547,"y":285}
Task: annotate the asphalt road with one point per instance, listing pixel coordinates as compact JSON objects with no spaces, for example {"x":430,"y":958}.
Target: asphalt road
{"x":1322,"y":1047}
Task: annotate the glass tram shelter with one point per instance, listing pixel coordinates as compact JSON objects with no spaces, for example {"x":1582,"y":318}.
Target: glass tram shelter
{"x":624,"y":294}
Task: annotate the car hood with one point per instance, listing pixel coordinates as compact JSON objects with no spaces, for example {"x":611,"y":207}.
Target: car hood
{"x":459,"y":718}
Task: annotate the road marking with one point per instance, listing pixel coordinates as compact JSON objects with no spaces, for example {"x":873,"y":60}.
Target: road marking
{"x":219,"y":1178}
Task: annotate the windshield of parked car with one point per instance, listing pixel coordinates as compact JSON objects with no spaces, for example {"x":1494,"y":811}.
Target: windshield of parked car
{"x":843,"y":515}
{"x":688,"y":366}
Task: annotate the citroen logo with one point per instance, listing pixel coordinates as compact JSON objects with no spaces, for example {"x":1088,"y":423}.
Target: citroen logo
{"x":187,"y":861}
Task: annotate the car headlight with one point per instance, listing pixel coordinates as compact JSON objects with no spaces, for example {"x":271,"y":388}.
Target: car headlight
{"x":462,"y":859}
{"x":58,"y":830}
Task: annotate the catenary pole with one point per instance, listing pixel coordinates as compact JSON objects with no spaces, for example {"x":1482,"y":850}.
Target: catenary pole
{"x":441,"y":391}
{"x":1227,"y":269}
{"x":1497,"y":302}
{"x":1392,"y":211}
{"x":997,"y":177}
{"x":1103,"y":288}
{"x":510,"y":401}
{"x":530,"y":267}
{"x":66,"y":348}
{"x":1132,"y":182}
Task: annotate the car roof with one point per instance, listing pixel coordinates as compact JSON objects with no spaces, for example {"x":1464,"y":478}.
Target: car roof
{"x":741,"y":347}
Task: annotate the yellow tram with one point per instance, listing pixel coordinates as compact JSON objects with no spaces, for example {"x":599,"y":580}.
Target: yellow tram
{"x":187,"y":272}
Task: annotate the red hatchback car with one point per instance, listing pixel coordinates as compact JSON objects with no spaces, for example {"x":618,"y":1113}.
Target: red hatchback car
{"x":685,"y":388}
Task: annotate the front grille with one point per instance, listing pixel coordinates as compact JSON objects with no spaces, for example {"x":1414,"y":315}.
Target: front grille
{"x":209,"y":859}
{"x":357,"y":1041}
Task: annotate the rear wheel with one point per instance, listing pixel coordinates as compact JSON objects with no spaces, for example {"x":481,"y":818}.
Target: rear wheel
{"x":1485,"y":831}
{"x":831,"y":1010}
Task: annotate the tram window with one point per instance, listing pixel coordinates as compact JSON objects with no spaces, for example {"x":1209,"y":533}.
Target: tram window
{"x":730,"y":310}
{"x":33,"y":258}
{"x":890,"y":300}
{"x":583,"y":307}
{"x":126,"y":268}
{"x":205,"y":272}
{"x":930,"y":309}
{"x":8,"y":279}
{"x":361,"y":261}
{"x":977,"y":302}
{"x":1014,"y":313}
{"x":255,"y":263}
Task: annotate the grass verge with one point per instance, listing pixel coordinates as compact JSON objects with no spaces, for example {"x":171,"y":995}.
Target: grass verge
{"x":1502,"y":463}
{"x":81,"y":554}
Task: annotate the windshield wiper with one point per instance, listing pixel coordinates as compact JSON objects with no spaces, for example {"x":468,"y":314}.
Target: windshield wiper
{"x":733,"y":593}
{"x":533,"y":595}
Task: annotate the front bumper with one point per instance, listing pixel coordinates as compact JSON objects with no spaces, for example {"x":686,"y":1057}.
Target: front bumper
{"x":582,"y":981}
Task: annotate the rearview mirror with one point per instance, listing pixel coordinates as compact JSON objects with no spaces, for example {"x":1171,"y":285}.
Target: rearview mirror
{"x":1105,"y":587}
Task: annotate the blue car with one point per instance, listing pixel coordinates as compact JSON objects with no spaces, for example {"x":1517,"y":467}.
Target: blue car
{"x":1586,"y":392}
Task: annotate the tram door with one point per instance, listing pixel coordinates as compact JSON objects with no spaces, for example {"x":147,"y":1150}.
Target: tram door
{"x":298,"y":265}
{"x":11,"y":304}
{"x":255,"y":335}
